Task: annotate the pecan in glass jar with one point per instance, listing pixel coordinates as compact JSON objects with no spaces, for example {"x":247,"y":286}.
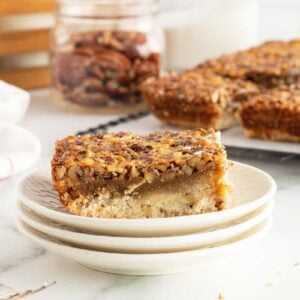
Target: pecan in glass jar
{"x":101,"y":56}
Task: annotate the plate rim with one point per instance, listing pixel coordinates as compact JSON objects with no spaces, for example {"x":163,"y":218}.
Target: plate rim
{"x":168,"y":241}
{"x":265,"y":227}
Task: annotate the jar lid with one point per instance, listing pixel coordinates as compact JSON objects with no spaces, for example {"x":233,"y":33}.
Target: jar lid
{"x":106,"y":8}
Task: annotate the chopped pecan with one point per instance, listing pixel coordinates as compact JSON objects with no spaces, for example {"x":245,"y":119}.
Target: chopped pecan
{"x":110,"y":64}
{"x":70,"y":69}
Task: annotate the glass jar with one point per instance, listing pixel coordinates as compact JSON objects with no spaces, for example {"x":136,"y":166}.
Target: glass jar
{"x":101,"y":52}
{"x":207,"y":29}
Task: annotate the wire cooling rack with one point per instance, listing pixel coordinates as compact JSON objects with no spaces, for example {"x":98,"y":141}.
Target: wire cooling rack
{"x":118,"y":121}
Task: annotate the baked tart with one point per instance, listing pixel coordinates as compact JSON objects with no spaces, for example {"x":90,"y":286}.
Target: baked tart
{"x":273,"y":115}
{"x":124,"y":175}
{"x":197,"y":99}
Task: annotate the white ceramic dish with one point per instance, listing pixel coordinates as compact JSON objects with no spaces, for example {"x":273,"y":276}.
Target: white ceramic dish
{"x":145,"y":264}
{"x":144,"y":244}
{"x":251,"y":188}
{"x":13,"y":103}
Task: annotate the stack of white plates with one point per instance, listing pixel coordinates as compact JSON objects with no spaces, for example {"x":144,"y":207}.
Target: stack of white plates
{"x":148,"y":246}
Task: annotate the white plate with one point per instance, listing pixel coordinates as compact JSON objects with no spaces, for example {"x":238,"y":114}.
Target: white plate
{"x":145,"y":264}
{"x":233,"y":137}
{"x":251,"y":188}
{"x":144,"y":244}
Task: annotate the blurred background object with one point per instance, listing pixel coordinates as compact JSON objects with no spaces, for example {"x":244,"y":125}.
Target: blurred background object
{"x":202,"y":29}
{"x":102,"y":51}
{"x":280,"y":19}
{"x":24,"y":41}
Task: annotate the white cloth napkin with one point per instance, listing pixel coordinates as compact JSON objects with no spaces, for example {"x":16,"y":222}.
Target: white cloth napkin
{"x":13,"y":103}
{"x":19,"y":148}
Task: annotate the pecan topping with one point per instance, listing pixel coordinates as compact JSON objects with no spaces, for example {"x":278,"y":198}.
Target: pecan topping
{"x":129,"y":158}
{"x":270,"y":65}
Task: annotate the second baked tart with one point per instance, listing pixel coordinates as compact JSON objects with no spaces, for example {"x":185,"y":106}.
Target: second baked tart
{"x":123,"y":175}
{"x":197,"y":99}
{"x":271,"y":64}
{"x":273,"y":115}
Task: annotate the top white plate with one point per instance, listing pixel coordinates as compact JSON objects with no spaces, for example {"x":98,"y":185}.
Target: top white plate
{"x":233,"y":137}
{"x":251,"y":188}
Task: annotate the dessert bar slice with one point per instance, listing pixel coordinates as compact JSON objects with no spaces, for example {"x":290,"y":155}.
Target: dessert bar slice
{"x":123,"y":175}
{"x":274,"y":115}
{"x":271,"y":64}
{"x":197,"y":99}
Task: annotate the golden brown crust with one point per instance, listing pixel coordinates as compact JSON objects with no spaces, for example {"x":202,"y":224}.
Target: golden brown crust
{"x":196,"y":98}
{"x":273,"y":115}
{"x":124,"y":161}
{"x":224,"y":121}
{"x":271,"y":134}
{"x":271,"y":64}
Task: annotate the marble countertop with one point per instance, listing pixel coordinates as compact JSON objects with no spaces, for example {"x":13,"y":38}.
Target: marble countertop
{"x":267,"y":270}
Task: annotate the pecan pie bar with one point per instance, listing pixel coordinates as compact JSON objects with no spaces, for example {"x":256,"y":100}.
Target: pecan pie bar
{"x":123,"y":175}
{"x":197,"y":98}
{"x":273,"y":115}
{"x":271,"y":64}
